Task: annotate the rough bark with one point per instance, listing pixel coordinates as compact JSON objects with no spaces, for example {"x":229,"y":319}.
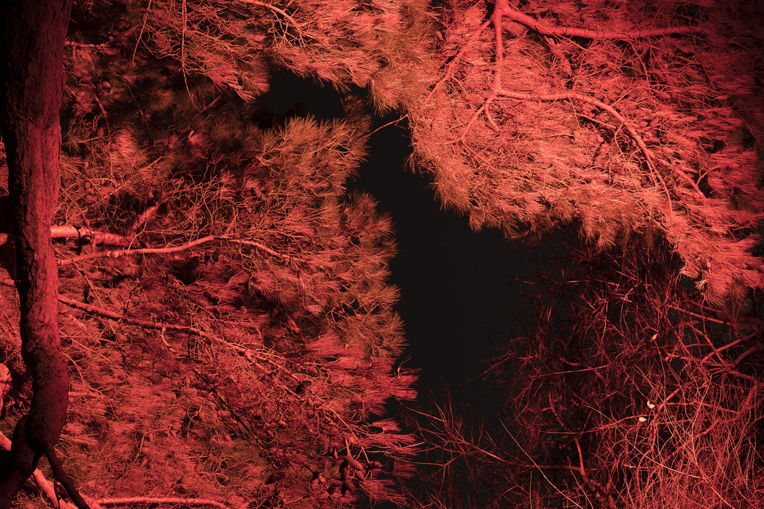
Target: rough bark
{"x":32,"y":34}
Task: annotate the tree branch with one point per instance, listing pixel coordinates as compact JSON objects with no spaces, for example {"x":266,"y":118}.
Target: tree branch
{"x":275,"y":9}
{"x":83,"y":233}
{"x":163,"y":500}
{"x":175,"y":249}
{"x":547,"y":29}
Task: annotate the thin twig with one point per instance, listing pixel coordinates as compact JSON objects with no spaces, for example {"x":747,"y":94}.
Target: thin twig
{"x":140,"y":34}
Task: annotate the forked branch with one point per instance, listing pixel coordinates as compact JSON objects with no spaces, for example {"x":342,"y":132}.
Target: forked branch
{"x":275,"y":9}
{"x":503,"y":9}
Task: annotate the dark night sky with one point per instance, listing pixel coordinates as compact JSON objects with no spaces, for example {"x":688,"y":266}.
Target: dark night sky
{"x":459,"y":291}
{"x":456,"y":292}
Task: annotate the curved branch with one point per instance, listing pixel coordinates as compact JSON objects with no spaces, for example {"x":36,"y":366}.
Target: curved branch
{"x":147,"y":250}
{"x":175,"y":249}
{"x":633,"y":134}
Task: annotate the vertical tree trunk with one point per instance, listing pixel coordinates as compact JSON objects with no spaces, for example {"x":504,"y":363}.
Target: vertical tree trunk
{"x":32,"y":35}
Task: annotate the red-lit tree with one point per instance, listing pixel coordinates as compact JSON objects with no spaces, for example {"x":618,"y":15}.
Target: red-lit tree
{"x":639,"y":124}
{"x":635,"y":119}
{"x":228,"y":318}
{"x":227,"y":315}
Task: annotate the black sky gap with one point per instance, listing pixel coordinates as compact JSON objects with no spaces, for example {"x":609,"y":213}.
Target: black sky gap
{"x":461,"y":294}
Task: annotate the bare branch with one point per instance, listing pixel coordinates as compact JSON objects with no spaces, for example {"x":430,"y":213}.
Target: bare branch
{"x":163,"y":500}
{"x":547,"y":29}
{"x":84,"y":233}
{"x":175,"y":249}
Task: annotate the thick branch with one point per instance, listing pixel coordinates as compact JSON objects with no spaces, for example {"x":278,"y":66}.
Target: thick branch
{"x":91,"y":236}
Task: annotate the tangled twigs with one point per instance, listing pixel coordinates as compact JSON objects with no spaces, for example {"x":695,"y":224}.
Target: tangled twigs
{"x":275,"y":9}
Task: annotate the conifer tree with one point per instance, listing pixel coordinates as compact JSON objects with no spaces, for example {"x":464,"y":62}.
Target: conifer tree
{"x":31,"y":78}
{"x":228,"y":316}
{"x":635,"y":119}
{"x":640,"y":125}
{"x":229,"y":326}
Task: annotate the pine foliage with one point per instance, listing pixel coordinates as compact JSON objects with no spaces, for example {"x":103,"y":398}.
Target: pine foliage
{"x":379,"y":44}
{"x":236,"y":340}
{"x":622,"y":133}
{"x":228,"y":318}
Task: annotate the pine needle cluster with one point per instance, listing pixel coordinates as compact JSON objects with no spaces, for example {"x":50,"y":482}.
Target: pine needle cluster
{"x":635,"y":119}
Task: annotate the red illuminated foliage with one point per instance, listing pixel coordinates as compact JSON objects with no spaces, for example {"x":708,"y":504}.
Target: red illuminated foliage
{"x":638,"y":124}
{"x":228,"y":321}
{"x":641,"y":121}
{"x":227,"y":316}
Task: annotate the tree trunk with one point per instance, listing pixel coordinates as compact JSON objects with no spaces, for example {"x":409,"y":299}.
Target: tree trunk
{"x":32,"y":35}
